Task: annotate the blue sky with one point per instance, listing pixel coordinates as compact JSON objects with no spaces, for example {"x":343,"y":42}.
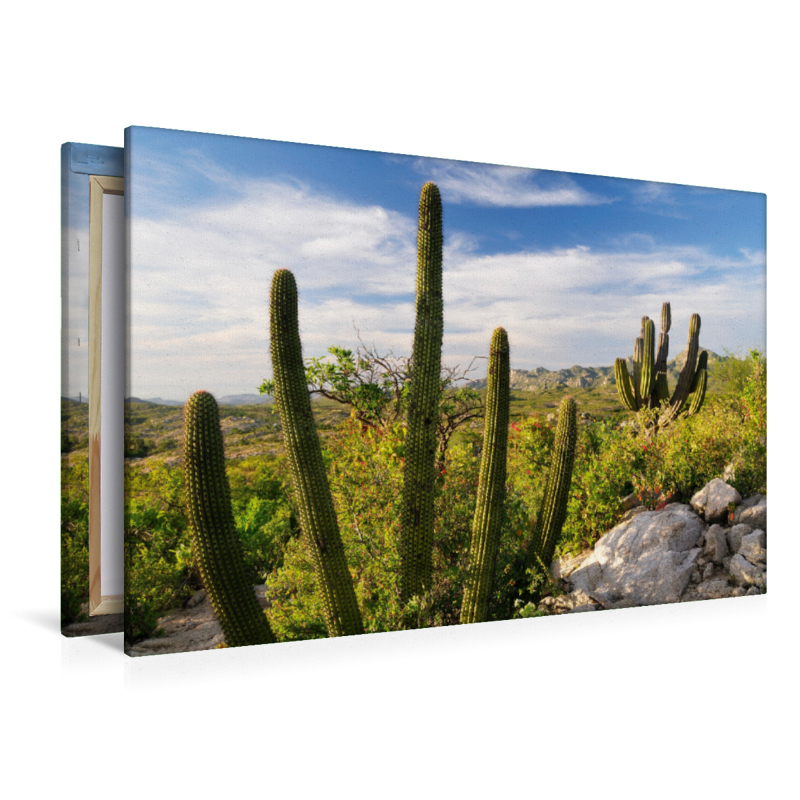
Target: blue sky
{"x":567,"y":263}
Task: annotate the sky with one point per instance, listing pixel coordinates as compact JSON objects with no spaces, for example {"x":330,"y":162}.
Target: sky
{"x":567,"y":263}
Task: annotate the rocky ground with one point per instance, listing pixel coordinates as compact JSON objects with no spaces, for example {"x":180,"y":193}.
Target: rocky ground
{"x":712,"y":548}
{"x":93,"y":626}
{"x":186,"y":629}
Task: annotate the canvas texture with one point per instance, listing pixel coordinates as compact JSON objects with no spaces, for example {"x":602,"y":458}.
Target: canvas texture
{"x":371,"y":392}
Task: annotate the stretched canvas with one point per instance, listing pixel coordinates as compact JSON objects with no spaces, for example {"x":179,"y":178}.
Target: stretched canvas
{"x":371,"y":392}
{"x":92,"y":388}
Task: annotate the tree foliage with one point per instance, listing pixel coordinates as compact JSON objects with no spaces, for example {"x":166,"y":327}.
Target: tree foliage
{"x":375,"y":386}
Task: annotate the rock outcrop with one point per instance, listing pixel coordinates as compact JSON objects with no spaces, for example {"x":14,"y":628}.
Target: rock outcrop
{"x":678,"y":554}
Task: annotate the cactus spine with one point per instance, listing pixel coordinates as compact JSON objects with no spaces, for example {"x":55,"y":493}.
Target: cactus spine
{"x":649,"y":388}
{"x":217,"y":548}
{"x":491,"y":485}
{"x":315,"y":503}
{"x":553,"y":510}
{"x":419,"y":476}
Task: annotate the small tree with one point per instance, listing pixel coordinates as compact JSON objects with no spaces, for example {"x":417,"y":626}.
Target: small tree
{"x":375,"y":386}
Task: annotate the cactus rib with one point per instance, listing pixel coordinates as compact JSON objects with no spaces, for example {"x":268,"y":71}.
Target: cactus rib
{"x":624,"y":384}
{"x":553,"y":510}
{"x":315,"y":503}
{"x":491,"y":485}
{"x":217,"y":548}
{"x":423,"y":407}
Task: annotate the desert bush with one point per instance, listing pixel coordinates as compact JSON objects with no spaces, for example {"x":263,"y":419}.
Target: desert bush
{"x":74,"y":537}
{"x":160,"y":569}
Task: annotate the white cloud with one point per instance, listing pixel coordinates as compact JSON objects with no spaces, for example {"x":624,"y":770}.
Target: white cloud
{"x":200,"y":290}
{"x":485,"y":185}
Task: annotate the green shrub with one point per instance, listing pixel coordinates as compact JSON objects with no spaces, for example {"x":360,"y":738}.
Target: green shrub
{"x":74,"y":537}
{"x":160,"y":569}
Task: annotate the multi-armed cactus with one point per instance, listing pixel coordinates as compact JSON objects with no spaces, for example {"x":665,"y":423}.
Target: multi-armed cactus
{"x":488,"y":518}
{"x":315,"y":503}
{"x":553,"y":510}
{"x":649,"y":388}
{"x":217,"y":548}
{"x":419,"y":477}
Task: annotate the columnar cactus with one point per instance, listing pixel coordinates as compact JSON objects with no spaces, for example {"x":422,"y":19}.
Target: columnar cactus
{"x":553,"y":510}
{"x":488,"y":518}
{"x":419,"y":477}
{"x":315,"y":503}
{"x":217,"y":548}
{"x":649,"y":388}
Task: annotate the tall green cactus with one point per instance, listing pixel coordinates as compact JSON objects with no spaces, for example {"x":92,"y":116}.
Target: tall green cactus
{"x":553,"y":510}
{"x":649,"y":388}
{"x":488,"y":518}
{"x":419,"y":478}
{"x":315,"y":503}
{"x":217,"y":548}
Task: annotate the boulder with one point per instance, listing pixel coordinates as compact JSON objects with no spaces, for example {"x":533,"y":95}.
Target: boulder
{"x":713,"y":499}
{"x":716,"y":546}
{"x":754,"y":548}
{"x":644,"y":561}
{"x":746,"y":574}
{"x":735,"y":536}
{"x":756,"y":516}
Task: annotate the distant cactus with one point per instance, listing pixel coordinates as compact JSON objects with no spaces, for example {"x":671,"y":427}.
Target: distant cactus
{"x":419,"y":477}
{"x":315,"y":503}
{"x":491,"y":486}
{"x":649,"y":388}
{"x":553,"y":509}
{"x":217,"y":548}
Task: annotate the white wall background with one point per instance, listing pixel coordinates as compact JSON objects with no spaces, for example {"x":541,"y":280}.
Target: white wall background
{"x":677,"y":701}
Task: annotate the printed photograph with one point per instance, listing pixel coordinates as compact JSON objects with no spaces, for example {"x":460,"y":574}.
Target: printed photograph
{"x":370,"y":392}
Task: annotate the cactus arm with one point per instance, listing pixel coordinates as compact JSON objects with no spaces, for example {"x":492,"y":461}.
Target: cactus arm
{"x":699,"y":385}
{"x":661,"y":388}
{"x":624,"y":388}
{"x":648,"y":362}
{"x":314,"y":500}
{"x":553,"y":510}
{"x":216,"y":545}
{"x":487,"y":522}
{"x":686,"y":377}
{"x":638,"y":351}
{"x":666,"y":317}
{"x":419,"y":478}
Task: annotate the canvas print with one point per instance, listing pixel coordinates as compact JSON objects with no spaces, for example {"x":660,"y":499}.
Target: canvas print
{"x":371,"y":392}
{"x":91,"y":565}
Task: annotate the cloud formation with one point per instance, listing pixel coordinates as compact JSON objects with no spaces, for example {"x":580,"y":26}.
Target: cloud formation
{"x":200,"y":287}
{"x":483,"y":185}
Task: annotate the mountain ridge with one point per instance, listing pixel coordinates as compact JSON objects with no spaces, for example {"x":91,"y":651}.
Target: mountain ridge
{"x":577,"y":377}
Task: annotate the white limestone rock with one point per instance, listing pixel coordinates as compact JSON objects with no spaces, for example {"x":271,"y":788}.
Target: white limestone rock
{"x":644,"y":561}
{"x":713,"y":499}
